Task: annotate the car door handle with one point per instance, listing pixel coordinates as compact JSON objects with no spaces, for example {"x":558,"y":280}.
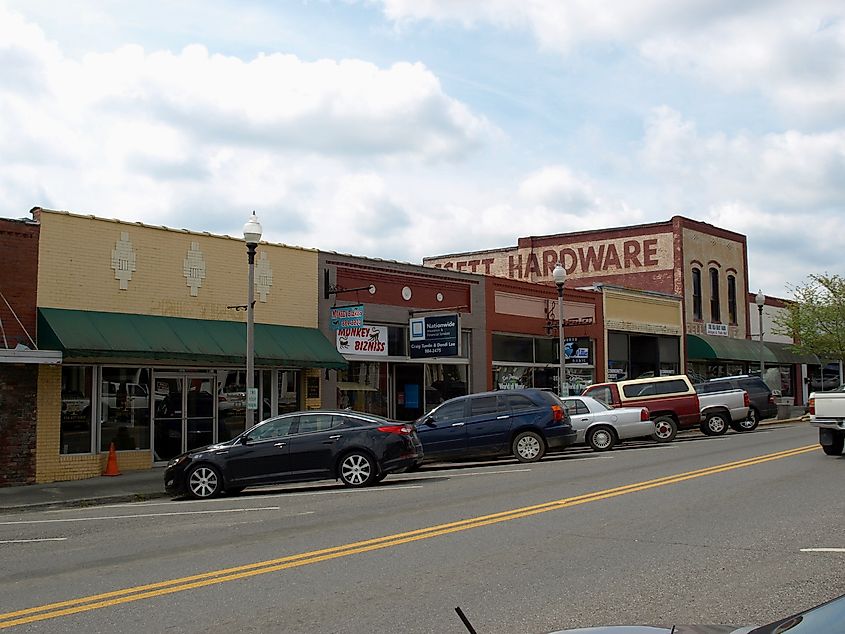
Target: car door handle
{"x":335,"y":437}
{"x":279,"y":444}
{"x":585,"y":420}
{"x":457,"y":424}
{"x":502,"y":417}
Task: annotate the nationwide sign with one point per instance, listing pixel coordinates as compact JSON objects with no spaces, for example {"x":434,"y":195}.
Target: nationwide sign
{"x":435,"y":336}
{"x":366,"y":340}
{"x":347,"y":316}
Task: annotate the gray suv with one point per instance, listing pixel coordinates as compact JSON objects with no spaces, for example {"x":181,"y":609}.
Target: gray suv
{"x":762,"y":399}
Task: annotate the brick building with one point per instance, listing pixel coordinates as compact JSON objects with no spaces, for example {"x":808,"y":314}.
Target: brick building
{"x":703,"y":265}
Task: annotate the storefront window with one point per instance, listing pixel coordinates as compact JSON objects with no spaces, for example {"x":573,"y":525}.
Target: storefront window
{"x":617,"y":356}
{"x":231,"y":403}
{"x":397,"y":341}
{"x":125,"y":408}
{"x":76,"y":421}
{"x":578,"y":378}
{"x":443,"y":382}
{"x":546,"y":350}
{"x":513,"y":377}
{"x":363,"y":387}
{"x":289,"y":391}
{"x":519,"y":349}
{"x":546,"y":378}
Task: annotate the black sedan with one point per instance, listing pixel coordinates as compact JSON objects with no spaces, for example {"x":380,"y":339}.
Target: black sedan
{"x":357,"y":449}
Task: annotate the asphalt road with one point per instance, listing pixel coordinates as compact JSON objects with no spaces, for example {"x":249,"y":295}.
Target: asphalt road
{"x":698,"y":531}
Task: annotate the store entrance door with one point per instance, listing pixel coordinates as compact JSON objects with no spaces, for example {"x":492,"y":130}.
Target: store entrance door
{"x":408,"y":391}
{"x":185,"y":412}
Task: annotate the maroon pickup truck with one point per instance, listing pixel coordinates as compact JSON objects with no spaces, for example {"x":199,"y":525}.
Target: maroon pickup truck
{"x":671,"y":401}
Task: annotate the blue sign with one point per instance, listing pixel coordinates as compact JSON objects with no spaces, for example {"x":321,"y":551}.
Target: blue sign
{"x":436,"y":336}
{"x":347,"y":317}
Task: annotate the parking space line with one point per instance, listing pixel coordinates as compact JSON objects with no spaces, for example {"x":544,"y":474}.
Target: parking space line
{"x":31,"y":541}
{"x":823,"y":550}
{"x":138,"y":515}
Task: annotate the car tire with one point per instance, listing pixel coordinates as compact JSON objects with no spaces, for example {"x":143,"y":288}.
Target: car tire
{"x":357,"y":469}
{"x":715,"y":424}
{"x":665,"y":429}
{"x":528,"y":446}
{"x":234,"y":490}
{"x":601,"y":438}
{"x":203,"y":482}
{"x":835,"y":448}
{"x":749,"y":423}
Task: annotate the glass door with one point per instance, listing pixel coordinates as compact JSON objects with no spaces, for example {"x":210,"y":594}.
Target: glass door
{"x":167,"y":427}
{"x":186,"y":408}
{"x":200,"y":401}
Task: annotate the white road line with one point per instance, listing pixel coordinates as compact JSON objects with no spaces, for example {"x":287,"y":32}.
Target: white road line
{"x":134,"y":516}
{"x":29,"y":541}
{"x":424,"y":475}
{"x":823,"y":550}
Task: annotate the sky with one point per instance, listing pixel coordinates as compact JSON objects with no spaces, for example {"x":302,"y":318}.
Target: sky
{"x":404,"y":128}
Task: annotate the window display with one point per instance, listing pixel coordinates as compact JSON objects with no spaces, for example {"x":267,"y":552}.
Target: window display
{"x":125,"y":408}
{"x":76,"y":418}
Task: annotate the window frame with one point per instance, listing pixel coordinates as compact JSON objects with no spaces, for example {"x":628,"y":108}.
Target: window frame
{"x":715,"y":300}
{"x":732,"y":314}
{"x":696,"y":294}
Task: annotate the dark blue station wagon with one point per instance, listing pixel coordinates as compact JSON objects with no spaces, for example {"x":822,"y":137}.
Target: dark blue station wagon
{"x":523,"y":423}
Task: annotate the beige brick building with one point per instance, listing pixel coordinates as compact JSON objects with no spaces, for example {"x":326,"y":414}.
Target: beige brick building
{"x":150,"y":323}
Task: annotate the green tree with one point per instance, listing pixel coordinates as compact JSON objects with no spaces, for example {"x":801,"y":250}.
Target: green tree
{"x":815,"y":319}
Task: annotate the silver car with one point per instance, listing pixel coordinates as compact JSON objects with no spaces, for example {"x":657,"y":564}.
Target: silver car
{"x":601,"y":426}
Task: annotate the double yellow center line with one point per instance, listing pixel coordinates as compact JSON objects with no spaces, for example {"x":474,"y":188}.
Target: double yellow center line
{"x":138,"y":593}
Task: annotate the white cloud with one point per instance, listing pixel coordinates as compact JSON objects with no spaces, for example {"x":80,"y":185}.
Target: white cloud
{"x":790,"y":51}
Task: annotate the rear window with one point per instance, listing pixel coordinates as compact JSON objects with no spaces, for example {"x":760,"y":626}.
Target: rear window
{"x":602,"y":394}
{"x":674,"y":386}
{"x":483,"y":405}
{"x":518,"y":402}
{"x":549,"y":397}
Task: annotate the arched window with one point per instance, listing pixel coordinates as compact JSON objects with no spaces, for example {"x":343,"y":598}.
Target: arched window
{"x":715,"y":313}
{"x":732,"y":299}
{"x":696,"y":293}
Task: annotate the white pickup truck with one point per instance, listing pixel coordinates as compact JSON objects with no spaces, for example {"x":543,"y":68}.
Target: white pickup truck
{"x":827,"y":412}
{"x":722,"y":408}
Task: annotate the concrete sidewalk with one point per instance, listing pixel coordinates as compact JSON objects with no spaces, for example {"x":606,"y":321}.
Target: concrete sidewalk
{"x":128,"y":487}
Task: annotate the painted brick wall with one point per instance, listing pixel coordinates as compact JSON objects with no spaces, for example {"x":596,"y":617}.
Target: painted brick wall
{"x":76,"y":272}
{"x":18,"y":415}
{"x":18,"y":274}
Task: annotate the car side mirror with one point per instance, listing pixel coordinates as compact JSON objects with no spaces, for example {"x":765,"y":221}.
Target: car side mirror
{"x":244,"y":440}
{"x":430,"y":421}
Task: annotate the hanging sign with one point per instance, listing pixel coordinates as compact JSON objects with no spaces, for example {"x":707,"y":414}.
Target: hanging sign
{"x":435,"y":336}
{"x":366,"y":340}
{"x":347,"y":317}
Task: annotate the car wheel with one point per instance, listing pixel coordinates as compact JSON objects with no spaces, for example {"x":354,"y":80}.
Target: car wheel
{"x":715,"y":424}
{"x":601,"y":439}
{"x":835,"y":448}
{"x":204,"y":482}
{"x":665,"y":429}
{"x":528,"y":446}
{"x":357,"y":469}
{"x":750,"y":423}
{"x":234,"y":490}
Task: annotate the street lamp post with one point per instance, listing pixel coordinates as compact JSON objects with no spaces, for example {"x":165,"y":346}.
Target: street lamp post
{"x":559,"y":275}
{"x":760,"y":300}
{"x":252,"y":235}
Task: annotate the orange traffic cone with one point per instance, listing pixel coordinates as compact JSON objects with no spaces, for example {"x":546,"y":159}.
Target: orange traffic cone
{"x":111,"y":465}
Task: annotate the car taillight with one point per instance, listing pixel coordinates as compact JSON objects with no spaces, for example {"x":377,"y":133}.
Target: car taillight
{"x":745,"y":400}
{"x":644,"y":415}
{"x":557,"y":411}
{"x":813,"y":406}
{"x":405,"y":430}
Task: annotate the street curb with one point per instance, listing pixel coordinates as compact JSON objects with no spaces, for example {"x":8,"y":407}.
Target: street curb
{"x":83,"y":502}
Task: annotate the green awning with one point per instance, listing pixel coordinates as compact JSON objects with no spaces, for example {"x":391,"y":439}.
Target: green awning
{"x":785,"y":353}
{"x":95,"y":336}
{"x":728,"y":348}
